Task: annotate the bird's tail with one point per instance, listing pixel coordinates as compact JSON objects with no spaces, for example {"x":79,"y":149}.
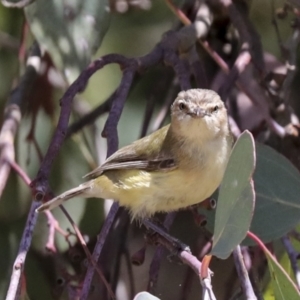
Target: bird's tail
{"x":80,"y":190}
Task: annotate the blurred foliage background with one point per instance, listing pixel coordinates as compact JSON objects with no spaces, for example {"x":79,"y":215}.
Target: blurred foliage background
{"x":132,"y":33}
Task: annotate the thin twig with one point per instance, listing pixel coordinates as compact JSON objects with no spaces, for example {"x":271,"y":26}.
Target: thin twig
{"x":119,"y":239}
{"x":87,"y":252}
{"x":52,"y":224}
{"x":238,"y":68}
{"x":158,"y":255}
{"x":53,"y":228}
{"x":242,"y":84}
{"x":197,"y":68}
{"x":9,"y":127}
{"x":98,"y":249}
{"x":263,"y":247}
{"x":20,"y":172}
{"x":243,"y":274}
{"x":179,"y":67}
{"x":176,"y":247}
{"x":247,"y":32}
{"x":18,"y":266}
{"x":162,"y":85}
{"x":166,"y":51}
{"x":90,"y":117}
{"x":12,"y":115}
{"x":40,"y":183}
{"x":110,"y":128}
{"x":164,"y":111}
{"x":183,"y":253}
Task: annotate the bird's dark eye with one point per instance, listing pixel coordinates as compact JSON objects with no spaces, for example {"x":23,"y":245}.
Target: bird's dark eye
{"x":182,"y":106}
{"x":215,"y":109}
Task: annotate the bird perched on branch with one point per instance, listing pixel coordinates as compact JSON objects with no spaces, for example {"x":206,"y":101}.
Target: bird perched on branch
{"x":176,"y":166}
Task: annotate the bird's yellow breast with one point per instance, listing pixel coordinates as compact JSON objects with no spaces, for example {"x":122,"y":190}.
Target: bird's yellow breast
{"x":145,"y":193}
{"x":196,"y":177}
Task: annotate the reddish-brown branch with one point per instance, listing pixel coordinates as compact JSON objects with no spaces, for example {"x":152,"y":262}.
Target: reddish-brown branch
{"x":20,"y":172}
{"x":263,"y":247}
{"x":53,"y":227}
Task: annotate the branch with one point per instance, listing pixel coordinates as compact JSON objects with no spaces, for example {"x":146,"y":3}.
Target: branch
{"x":158,"y":255}
{"x":167,"y":50}
{"x":12,"y":114}
{"x":247,"y":31}
{"x":9,"y":127}
{"x":239,"y":66}
{"x":177,"y":248}
{"x":110,"y":128}
{"x":18,"y":266}
{"x":255,"y":95}
{"x":98,"y":249}
{"x":163,"y":113}
{"x":87,"y":253}
{"x":91,"y":116}
{"x":40,"y":183}
{"x":243,"y":274}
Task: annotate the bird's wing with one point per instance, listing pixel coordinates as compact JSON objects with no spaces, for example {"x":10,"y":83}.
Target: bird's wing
{"x":147,"y":154}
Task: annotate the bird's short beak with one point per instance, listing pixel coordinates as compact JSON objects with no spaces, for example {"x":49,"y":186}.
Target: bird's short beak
{"x":197,"y":113}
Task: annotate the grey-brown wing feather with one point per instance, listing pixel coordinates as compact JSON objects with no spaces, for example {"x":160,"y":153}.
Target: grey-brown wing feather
{"x":138,"y":156}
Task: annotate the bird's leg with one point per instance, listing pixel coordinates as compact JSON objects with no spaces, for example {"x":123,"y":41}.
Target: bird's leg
{"x":166,"y":237}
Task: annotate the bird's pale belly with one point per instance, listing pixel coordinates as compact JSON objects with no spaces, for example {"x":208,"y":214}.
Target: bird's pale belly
{"x":145,"y":193}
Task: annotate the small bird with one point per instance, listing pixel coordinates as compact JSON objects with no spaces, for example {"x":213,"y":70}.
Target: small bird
{"x":179,"y":165}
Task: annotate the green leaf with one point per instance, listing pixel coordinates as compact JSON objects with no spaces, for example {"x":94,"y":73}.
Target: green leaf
{"x":277,"y":186}
{"x":283,"y":286}
{"x":236,"y":198}
{"x":71,"y":31}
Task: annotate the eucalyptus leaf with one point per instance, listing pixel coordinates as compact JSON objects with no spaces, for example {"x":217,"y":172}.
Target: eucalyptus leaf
{"x":277,"y":188}
{"x":283,"y":286}
{"x":71,"y":31}
{"x":236,"y":198}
